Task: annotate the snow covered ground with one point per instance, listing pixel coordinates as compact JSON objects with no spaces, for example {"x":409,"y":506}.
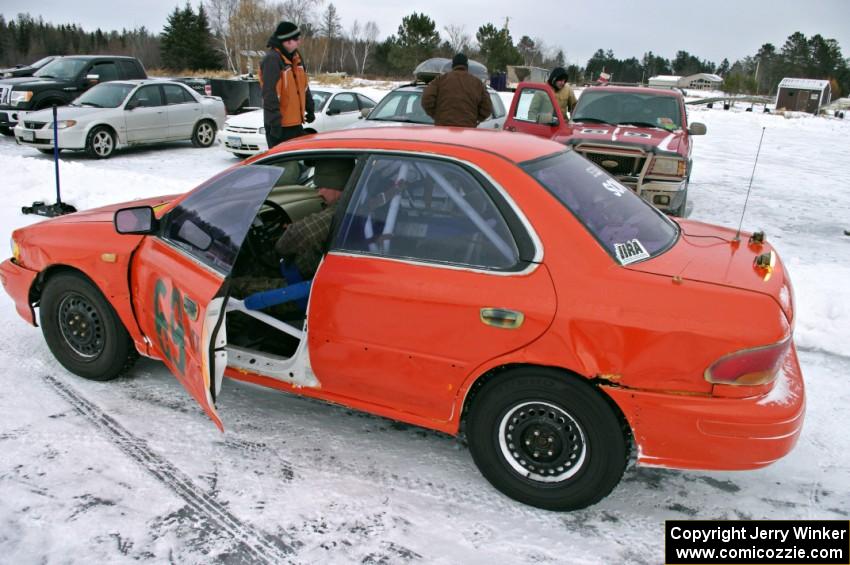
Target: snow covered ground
{"x":132,"y":471}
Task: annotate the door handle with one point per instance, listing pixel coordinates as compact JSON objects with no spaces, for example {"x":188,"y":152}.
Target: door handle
{"x":190,"y":307}
{"x":502,"y":318}
{"x":510,"y":128}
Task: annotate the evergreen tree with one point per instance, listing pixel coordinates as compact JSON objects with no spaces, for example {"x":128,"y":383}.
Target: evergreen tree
{"x":206,"y":56}
{"x":497,"y":48}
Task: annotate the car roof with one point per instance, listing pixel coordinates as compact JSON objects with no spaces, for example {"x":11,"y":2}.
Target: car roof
{"x":92,"y":57}
{"x":516,"y":147}
{"x":637,"y":90}
{"x":138,"y":81}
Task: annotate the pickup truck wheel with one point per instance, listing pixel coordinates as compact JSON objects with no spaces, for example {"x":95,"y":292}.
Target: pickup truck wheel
{"x":204,"y":134}
{"x":546,"y":439}
{"x":100,"y":143}
{"x":82,"y":329}
{"x":682,"y":209}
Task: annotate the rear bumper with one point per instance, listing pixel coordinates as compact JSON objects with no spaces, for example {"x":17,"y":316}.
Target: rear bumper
{"x":18,"y":281}
{"x":700,"y":432}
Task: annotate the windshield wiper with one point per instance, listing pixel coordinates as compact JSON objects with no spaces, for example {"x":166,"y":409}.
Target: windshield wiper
{"x":92,"y":104}
{"x":641,"y":125}
{"x":46,"y":76}
{"x":591,"y":120}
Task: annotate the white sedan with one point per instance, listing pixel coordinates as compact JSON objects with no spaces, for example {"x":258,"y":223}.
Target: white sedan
{"x":124,"y":113}
{"x":244,"y":134}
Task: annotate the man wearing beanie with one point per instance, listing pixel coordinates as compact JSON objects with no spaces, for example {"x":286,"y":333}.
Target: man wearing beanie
{"x":457,"y":98}
{"x":287,"y":102}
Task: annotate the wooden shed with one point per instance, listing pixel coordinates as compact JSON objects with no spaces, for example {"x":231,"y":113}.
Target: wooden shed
{"x":803,"y":94}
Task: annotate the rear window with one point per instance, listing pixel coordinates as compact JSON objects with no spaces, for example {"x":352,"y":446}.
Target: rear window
{"x":627,"y":227}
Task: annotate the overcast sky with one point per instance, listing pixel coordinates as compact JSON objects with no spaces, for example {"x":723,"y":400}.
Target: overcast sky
{"x":710,"y":29}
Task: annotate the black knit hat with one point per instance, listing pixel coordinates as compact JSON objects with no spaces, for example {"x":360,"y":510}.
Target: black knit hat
{"x":460,"y":60}
{"x":286,"y":31}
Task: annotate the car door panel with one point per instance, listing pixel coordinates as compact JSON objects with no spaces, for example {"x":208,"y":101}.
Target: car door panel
{"x":149,"y":121}
{"x":529,"y":101}
{"x":404,"y":335}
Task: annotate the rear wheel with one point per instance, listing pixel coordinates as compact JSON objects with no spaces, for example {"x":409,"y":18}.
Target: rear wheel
{"x":101,"y":142}
{"x":82,"y":329}
{"x":546,"y":439}
{"x":204,"y":134}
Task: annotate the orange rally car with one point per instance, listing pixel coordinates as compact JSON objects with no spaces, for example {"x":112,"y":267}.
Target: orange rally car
{"x":486,"y":282}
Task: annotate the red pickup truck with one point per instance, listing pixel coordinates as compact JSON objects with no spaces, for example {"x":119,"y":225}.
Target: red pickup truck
{"x":639,"y":135}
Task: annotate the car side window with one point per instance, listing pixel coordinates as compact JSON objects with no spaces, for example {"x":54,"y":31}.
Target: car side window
{"x":129,"y":69}
{"x":105,"y":71}
{"x":148,"y":96}
{"x":498,"y":107}
{"x":365,"y":102}
{"x":532,"y":103}
{"x":342,"y":103}
{"x":426,"y":210}
{"x":175,"y":94}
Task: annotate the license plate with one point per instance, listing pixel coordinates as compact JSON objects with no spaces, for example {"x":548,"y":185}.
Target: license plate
{"x":28,"y":135}
{"x":235,"y":142}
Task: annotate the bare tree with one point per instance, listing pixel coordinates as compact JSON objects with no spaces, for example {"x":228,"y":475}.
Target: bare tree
{"x":330,"y":28}
{"x":459,"y":40}
{"x":361,"y":41}
{"x":220,"y":12}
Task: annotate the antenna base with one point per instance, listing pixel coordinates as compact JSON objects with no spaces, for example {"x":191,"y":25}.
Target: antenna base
{"x":39,"y":208}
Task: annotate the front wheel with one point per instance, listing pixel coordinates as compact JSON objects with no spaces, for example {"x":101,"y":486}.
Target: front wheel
{"x":82,"y":329}
{"x":100,"y":143}
{"x":204,"y":134}
{"x":546,"y":439}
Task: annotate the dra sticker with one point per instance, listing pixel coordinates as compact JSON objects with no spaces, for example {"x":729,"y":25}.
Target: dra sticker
{"x":630,"y":251}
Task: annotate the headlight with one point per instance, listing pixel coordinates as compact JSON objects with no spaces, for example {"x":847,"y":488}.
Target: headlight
{"x":19,"y":96}
{"x":63,"y":124}
{"x":262,"y":131}
{"x":667,"y":166}
{"x":16,"y":250}
{"x":7,"y":75}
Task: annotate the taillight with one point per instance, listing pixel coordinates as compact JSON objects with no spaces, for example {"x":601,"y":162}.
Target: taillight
{"x":749,"y":367}
{"x":208,"y":89}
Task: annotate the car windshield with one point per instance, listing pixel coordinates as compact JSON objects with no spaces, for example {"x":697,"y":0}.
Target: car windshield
{"x":319,"y":98}
{"x":628,"y":108}
{"x":61,"y":68}
{"x":106,"y":95}
{"x":627,"y":227}
{"x":41,"y":62}
{"x":401,"y":106}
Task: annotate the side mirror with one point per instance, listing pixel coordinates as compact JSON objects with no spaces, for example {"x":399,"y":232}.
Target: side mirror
{"x":546,"y":119}
{"x":697,"y":128}
{"x":92,"y":78}
{"x":136,"y":220}
{"x":364,"y":113}
{"x":333,"y":111}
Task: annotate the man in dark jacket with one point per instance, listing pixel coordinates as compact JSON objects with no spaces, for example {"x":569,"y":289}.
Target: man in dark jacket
{"x":287,"y":102}
{"x":457,"y":98}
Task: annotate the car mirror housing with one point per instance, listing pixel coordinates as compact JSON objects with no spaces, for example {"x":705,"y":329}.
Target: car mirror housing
{"x":364,"y":113}
{"x":697,"y":128}
{"x":135,"y":220}
{"x":132,"y":105}
{"x":92,"y":78}
{"x":333,"y":111}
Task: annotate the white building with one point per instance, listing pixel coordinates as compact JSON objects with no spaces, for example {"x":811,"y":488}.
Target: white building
{"x":664,"y":81}
{"x":701,"y":81}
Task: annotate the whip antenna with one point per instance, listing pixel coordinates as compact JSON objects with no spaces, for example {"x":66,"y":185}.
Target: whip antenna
{"x":750,"y":187}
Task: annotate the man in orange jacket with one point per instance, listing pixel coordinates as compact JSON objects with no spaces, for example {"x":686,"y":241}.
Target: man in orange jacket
{"x":287,"y":102}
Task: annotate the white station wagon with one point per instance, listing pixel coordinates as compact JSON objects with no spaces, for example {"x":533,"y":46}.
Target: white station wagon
{"x":244,"y":134}
{"x":124,"y":113}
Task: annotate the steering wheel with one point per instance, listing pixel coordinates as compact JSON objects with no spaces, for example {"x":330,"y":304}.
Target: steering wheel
{"x":264,"y":233}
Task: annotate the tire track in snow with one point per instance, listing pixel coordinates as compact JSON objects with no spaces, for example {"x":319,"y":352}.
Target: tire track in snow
{"x":258,"y":544}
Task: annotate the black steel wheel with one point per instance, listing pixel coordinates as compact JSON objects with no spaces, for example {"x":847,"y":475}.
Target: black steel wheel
{"x":82,"y":329}
{"x":547,"y":439}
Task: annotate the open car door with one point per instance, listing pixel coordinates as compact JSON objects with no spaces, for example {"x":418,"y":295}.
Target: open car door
{"x":177,"y":276}
{"x":534,"y":110}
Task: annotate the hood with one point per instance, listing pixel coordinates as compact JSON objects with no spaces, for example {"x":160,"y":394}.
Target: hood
{"x":648,"y":138}
{"x":63,"y":113}
{"x":247,"y":120}
{"x":22,"y":83}
{"x":106,"y":213}
{"x":706,"y":253}
{"x":18,"y":71}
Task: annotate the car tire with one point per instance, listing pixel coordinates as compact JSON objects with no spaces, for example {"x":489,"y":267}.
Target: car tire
{"x":204,"y":134}
{"x":547,"y":439}
{"x":682,"y":209}
{"x":47,"y":151}
{"x":82,"y":329}
{"x":6,"y":131}
{"x":100,"y":143}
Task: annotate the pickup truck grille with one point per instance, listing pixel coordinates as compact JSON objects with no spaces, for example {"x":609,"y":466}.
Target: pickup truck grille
{"x":34,"y":125}
{"x":617,"y":165}
{"x":5,"y":94}
{"x":238,"y":129}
